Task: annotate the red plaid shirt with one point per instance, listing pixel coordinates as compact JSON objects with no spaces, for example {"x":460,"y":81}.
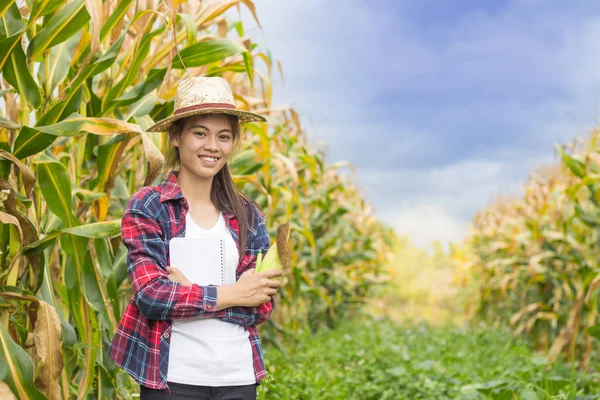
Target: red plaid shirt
{"x":141,"y":343}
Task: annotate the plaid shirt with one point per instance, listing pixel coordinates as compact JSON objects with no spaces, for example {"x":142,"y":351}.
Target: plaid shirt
{"x":141,"y":343}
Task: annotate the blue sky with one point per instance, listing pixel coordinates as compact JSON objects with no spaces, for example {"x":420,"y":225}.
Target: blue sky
{"x":441,"y":105}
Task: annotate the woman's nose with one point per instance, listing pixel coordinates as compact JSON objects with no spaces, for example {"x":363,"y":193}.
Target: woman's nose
{"x":211,"y":143}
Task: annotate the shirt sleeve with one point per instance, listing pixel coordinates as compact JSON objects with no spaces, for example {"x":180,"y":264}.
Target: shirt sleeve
{"x":247,"y":316}
{"x":157,"y":297}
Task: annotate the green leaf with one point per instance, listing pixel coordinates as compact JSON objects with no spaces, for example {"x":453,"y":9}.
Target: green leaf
{"x":397,"y":371}
{"x":249,"y":63}
{"x":138,"y":92}
{"x":97,"y":230}
{"x":216,"y":70}
{"x":16,"y":368}
{"x":95,"y":292}
{"x":4,"y":5}
{"x":114,"y":18}
{"x":67,"y":22}
{"x":55,"y":184}
{"x":76,"y":124}
{"x":594,"y":331}
{"x":245,"y":163}
{"x":31,"y":141}
{"x":40,"y":245}
{"x":528,"y":394}
{"x":59,"y":62}
{"x":190,"y":28}
{"x":88,"y":196}
{"x":575,"y":166}
{"x":133,"y":69}
{"x":13,"y":63}
{"x":45,"y":7}
{"x":109,"y":155}
{"x":206,"y":52}
{"x":142,"y":107}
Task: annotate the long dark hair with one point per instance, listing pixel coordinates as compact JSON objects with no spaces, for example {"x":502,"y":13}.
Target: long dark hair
{"x":224,"y":194}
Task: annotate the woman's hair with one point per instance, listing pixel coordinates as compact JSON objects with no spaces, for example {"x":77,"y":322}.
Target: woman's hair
{"x":224,"y":194}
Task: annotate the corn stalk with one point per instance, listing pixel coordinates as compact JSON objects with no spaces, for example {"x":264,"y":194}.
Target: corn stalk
{"x":80,"y":81}
{"x":532,"y":262}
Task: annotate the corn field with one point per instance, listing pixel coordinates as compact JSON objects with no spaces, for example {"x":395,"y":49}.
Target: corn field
{"x":532,"y":262}
{"x":80,"y":81}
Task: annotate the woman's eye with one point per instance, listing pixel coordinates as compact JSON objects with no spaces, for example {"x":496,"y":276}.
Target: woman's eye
{"x":225,"y":137}
{"x":199,"y":133}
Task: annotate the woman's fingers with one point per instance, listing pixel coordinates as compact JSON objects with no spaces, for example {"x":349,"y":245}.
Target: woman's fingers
{"x":272,"y":274}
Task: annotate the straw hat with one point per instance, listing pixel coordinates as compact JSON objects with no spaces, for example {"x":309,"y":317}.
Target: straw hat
{"x":204,"y":95}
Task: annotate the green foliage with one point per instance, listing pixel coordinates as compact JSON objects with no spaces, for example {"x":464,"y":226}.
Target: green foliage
{"x":532,"y":262}
{"x":80,"y":81}
{"x":366,"y":359}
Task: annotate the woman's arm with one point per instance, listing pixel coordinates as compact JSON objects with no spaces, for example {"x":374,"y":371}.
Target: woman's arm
{"x":155,"y":295}
{"x":247,"y":316}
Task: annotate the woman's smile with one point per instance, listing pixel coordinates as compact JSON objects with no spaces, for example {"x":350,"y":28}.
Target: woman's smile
{"x":209,"y":161}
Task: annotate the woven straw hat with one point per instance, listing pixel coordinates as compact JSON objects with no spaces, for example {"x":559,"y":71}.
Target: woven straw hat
{"x":204,"y":95}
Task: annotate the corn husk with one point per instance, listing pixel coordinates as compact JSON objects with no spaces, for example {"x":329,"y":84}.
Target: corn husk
{"x":279,"y":255}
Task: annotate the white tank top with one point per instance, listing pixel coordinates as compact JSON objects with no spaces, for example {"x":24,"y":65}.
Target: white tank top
{"x":211,"y":352}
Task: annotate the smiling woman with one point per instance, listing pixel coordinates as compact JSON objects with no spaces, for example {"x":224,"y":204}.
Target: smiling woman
{"x":204,"y":138}
{"x":180,"y":332}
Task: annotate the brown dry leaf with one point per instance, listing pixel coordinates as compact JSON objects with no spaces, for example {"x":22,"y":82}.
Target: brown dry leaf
{"x":10,"y":219}
{"x":222,"y":27}
{"x":211,"y":9}
{"x":154,"y":159}
{"x":46,"y":336}
{"x":94,"y":8}
{"x":594,"y":285}
{"x":283,"y":247}
{"x":28,"y":176}
{"x":5,"y":392}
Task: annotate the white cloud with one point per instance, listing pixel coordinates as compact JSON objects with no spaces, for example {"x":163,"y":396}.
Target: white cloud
{"x":425,"y":224}
{"x":439,"y":117}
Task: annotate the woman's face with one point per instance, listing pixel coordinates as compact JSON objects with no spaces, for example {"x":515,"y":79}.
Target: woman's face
{"x":204,"y":144}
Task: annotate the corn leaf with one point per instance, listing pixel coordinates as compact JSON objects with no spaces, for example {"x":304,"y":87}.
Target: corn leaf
{"x":76,"y":124}
{"x":206,"y":52}
{"x":46,"y":336}
{"x":13,"y":63}
{"x":96,"y":230}
{"x":67,"y":22}
{"x":56,"y":188}
{"x":16,"y":369}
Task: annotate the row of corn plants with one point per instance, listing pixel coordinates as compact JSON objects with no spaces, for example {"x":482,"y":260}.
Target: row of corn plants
{"x":80,"y":80}
{"x":533,"y":262}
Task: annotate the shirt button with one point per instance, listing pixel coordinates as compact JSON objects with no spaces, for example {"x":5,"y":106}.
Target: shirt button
{"x":166,"y":335}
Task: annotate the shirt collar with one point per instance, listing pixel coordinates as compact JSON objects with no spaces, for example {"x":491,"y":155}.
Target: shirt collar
{"x":170,"y":190}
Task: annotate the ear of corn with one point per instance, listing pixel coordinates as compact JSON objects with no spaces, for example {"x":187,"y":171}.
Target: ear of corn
{"x":279,"y":255}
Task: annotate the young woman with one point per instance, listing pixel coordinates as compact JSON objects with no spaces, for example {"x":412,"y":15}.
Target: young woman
{"x":178,"y":339}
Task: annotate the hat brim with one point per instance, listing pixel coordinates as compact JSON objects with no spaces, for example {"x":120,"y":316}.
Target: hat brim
{"x":244,"y":116}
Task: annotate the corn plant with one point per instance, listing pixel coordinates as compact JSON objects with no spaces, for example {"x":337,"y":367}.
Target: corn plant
{"x":533,"y":261}
{"x":80,"y":83}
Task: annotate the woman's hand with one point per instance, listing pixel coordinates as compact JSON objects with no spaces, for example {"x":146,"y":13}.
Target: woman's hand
{"x":255,"y":288}
{"x":176,"y":275}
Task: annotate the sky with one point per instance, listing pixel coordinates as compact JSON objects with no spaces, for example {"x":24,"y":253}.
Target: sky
{"x":442,"y":106}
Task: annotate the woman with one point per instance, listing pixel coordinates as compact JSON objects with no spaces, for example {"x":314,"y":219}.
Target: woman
{"x":177,"y":339}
